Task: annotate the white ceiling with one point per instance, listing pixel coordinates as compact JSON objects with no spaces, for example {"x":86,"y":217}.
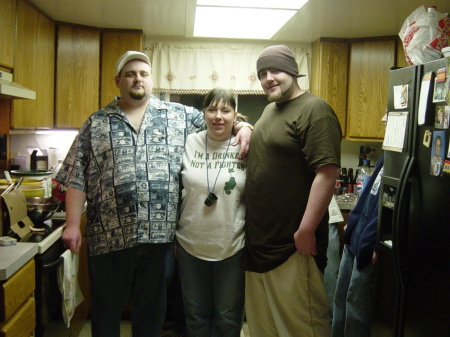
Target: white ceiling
{"x":173,"y":19}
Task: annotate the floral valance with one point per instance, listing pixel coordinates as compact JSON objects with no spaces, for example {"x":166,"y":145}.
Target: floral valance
{"x":180,"y":69}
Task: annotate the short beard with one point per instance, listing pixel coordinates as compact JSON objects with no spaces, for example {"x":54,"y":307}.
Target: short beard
{"x":137,"y":96}
{"x":275,"y":97}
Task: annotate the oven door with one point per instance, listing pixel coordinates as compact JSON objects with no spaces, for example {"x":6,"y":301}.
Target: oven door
{"x":47,"y":295}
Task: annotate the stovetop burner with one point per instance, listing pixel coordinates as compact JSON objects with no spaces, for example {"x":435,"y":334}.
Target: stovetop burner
{"x":52,"y":231}
{"x":45,"y":229}
{"x":37,"y":236}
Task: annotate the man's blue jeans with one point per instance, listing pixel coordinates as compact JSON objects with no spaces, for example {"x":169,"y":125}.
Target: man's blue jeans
{"x":353,"y":299}
{"x":141,"y":274}
{"x":331,"y":272}
{"x":213,"y":295}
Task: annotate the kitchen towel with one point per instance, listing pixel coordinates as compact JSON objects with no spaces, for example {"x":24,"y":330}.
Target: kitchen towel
{"x":334,"y":211}
{"x":68,"y":285}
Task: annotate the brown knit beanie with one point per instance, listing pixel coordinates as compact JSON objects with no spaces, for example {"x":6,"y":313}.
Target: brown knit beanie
{"x":278,"y":57}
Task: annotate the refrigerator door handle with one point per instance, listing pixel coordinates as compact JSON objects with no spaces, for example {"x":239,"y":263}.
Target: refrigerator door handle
{"x":399,"y":230}
{"x":399,"y":221}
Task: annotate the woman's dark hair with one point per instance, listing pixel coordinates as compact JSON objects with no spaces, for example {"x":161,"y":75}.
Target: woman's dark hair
{"x":218,"y":94}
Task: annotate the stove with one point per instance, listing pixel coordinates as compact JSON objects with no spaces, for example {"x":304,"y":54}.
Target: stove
{"x":47,"y":235}
{"x":47,"y":260}
{"x":50,"y":239}
{"x":45,"y":239}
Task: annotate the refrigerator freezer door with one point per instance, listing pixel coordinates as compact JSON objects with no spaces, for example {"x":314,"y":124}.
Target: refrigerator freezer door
{"x":390,"y":275}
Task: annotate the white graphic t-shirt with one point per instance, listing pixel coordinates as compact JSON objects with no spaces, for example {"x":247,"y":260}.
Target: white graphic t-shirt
{"x":212,"y":232}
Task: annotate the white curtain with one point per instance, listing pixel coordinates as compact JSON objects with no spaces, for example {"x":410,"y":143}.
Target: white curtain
{"x":180,"y":69}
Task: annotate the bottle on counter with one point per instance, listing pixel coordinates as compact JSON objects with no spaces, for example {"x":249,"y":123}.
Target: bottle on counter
{"x":351,"y":181}
{"x":344,"y":180}
{"x":337,"y":187}
{"x":363,"y":176}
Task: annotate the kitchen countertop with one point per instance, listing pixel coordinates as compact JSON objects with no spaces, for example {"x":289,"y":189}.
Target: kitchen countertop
{"x":51,"y":239}
{"x":346,"y":205}
{"x":12,"y":258}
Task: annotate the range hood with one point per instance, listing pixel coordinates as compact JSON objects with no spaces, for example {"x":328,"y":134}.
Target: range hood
{"x":11,"y":90}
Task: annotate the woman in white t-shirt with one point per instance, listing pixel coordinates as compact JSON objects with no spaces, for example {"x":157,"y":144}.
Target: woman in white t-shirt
{"x":210,"y":234}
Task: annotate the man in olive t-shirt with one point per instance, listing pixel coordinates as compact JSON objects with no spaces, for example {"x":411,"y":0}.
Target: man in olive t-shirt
{"x":293,"y":164}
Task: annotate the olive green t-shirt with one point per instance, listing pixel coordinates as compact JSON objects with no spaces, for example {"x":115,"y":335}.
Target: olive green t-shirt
{"x":290,"y":141}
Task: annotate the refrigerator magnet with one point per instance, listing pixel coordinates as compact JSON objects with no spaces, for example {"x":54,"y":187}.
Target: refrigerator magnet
{"x":441,"y":116}
{"x":427,"y":138}
{"x":401,"y":96}
{"x":437,"y":153}
{"x":448,"y":151}
{"x":447,"y":98}
{"x":446,"y":169}
{"x":440,"y":87}
{"x":441,"y":75}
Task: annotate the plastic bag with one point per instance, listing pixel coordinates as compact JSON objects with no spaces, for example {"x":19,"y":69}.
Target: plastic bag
{"x":424,"y":34}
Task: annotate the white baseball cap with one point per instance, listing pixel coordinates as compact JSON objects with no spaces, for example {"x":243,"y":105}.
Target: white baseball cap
{"x":128,"y":56}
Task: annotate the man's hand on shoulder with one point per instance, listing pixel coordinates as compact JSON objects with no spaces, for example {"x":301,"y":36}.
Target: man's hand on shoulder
{"x":243,"y":131}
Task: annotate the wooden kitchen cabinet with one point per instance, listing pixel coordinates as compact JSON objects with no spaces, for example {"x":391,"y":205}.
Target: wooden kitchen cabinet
{"x":17,"y":308}
{"x":370,"y":62}
{"x":45,"y":60}
{"x":352,"y":75}
{"x":34,"y":68}
{"x":329,"y":64}
{"x":77,"y":75}
{"x":114,"y":44}
{"x":7,"y":37}
{"x":27,"y":17}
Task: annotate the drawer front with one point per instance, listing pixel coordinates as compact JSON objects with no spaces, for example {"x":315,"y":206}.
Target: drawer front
{"x":16,"y":290}
{"x":22,"y":323}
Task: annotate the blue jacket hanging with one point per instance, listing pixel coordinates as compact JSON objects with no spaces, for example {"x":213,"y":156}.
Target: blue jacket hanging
{"x":360,"y":235}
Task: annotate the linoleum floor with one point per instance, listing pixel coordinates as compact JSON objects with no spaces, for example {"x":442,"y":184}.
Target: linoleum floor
{"x":57,"y":329}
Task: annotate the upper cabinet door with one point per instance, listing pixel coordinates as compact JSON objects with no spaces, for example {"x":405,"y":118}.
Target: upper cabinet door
{"x":370,"y":62}
{"x":8,"y":34}
{"x":24,"y":110}
{"x":45,"y":72}
{"x":35,"y":68}
{"x":114,"y":44}
{"x":77,"y":75}
{"x":329,"y":74}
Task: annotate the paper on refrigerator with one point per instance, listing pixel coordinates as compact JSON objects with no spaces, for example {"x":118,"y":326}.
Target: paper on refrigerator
{"x":423,"y":98}
{"x":394,"y":138}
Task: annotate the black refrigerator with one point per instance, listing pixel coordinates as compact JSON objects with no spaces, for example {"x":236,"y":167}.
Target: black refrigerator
{"x":413,"y":268}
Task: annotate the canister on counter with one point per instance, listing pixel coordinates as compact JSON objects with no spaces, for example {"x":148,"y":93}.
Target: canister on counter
{"x":38,"y":162}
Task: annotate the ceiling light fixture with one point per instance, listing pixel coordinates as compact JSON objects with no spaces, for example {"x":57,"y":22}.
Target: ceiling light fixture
{"x":255,"y":19}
